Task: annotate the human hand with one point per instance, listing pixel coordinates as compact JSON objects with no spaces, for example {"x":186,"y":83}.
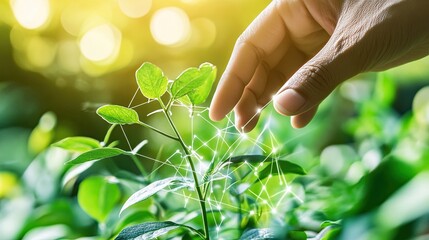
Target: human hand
{"x":297,"y":52}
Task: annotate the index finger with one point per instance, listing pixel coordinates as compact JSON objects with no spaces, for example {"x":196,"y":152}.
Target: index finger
{"x":258,"y":41}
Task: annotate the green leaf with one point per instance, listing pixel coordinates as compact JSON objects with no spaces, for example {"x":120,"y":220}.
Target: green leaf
{"x":200,"y":94}
{"x":96,"y":154}
{"x":151,"y":80}
{"x":77,"y":144}
{"x":258,"y":234}
{"x":150,"y":230}
{"x":194,"y":82}
{"x":151,"y":189}
{"x":274,"y":167}
{"x":97,"y":197}
{"x":115,"y":114}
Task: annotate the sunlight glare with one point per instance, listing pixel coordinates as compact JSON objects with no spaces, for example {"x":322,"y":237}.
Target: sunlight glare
{"x":100,"y":43}
{"x":135,"y":8}
{"x":170,"y":26}
{"x":31,"y":14}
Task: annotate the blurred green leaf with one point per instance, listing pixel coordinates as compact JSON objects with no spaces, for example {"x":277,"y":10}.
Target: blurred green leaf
{"x":115,"y":114}
{"x":385,"y":89}
{"x":97,"y":154}
{"x":258,"y":234}
{"x":77,"y":144}
{"x":150,"y":230}
{"x":153,"y":188}
{"x":194,"y":82}
{"x":151,"y":80}
{"x":97,"y":197}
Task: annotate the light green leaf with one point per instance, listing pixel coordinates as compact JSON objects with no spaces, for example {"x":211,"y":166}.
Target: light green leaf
{"x":150,"y":230}
{"x":115,"y":114}
{"x":97,"y":154}
{"x":200,"y":94}
{"x":151,"y":80}
{"x":77,"y":144}
{"x":97,"y":197}
{"x":258,"y":234}
{"x":195,"y":83}
{"x":175,"y":182}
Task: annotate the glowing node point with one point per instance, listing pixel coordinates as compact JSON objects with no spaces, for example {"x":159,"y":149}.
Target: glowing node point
{"x":273,"y":211}
{"x":177,"y":151}
{"x":102,"y":144}
{"x":261,"y":164}
{"x":223,"y":217}
{"x":209,"y":200}
{"x":252,"y":213}
{"x":270,"y":176}
{"x":243,"y":135}
{"x":259,"y":110}
{"x":219,"y":132}
{"x":273,"y":97}
{"x":214,"y":153}
{"x":256,"y":174}
{"x":217,"y":229}
{"x":219,"y":207}
{"x":195,"y":136}
{"x":265,"y":202}
{"x":288,"y":189}
{"x":264,"y":187}
{"x":205,"y":144}
{"x":274,"y":150}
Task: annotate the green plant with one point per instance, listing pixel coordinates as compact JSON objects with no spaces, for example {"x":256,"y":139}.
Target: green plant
{"x":189,"y":89}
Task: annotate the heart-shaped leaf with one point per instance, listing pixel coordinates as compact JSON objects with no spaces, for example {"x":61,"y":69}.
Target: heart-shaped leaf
{"x":97,"y":154}
{"x":115,"y":114}
{"x":77,"y":144}
{"x":151,"y":80}
{"x":175,"y":183}
{"x":200,"y":94}
{"x":150,"y":230}
{"x":258,"y":234}
{"x":97,"y":197}
{"x":195,"y":83}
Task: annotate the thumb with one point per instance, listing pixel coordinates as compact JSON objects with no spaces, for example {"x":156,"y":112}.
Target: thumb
{"x":316,"y":79}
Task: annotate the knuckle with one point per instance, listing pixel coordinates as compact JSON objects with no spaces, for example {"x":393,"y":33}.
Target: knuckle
{"x":245,"y":44}
{"x":316,"y":78}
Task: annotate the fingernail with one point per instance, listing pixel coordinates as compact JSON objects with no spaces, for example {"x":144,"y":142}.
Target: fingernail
{"x":289,"y":102}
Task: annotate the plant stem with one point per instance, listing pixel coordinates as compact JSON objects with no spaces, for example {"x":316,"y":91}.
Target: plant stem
{"x":194,"y":173}
{"x":109,"y":132}
{"x":139,"y":165}
{"x":158,"y":131}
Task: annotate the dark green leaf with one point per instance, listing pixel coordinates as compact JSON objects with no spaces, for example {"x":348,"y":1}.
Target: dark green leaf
{"x":115,"y":114}
{"x":97,"y":154}
{"x":77,"y":144}
{"x":258,"y":234}
{"x":149,"y":230}
{"x":151,"y":80}
{"x":97,"y":197}
{"x":151,"y":189}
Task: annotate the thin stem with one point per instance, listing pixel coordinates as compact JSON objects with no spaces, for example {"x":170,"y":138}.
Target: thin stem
{"x":109,"y":132}
{"x":138,"y":164}
{"x":194,"y":173}
{"x":158,"y":131}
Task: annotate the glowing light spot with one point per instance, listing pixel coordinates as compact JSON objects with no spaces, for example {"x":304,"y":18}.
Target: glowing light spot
{"x":223,"y":217}
{"x":261,"y":164}
{"x":274,"y":211}
{"x":274,"y":150}
{"x":265,"y":202}
{"x":100,"y":43}
{"x":205,"y":144}
{"x":264,"y":187}
{"x":48,"y":121}
{"x":209,"y":200}
{"x":214,"y":153}
{"x":270,"y":176}
{"x":258,"y":110}
{"x":217,"y":229}
{"x":243,"y":136}
{"x":135,"y":8}
{"x":252,"y":213}
{"x":170,"y":26}
{"x":31,"y":14}
{"x":219,"y":132}
{"x":288,"y":189}
{"x":219,"y":207}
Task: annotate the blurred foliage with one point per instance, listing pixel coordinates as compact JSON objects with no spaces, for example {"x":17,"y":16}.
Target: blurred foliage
{"x":366,"y":153}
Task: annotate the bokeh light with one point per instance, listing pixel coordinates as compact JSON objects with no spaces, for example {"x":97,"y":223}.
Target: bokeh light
{"x":100,"y":43}
{"x":170,"y":26}
{"x":203,"y":32}
{"x":31,"y":14}
{"x":135,"y":8}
